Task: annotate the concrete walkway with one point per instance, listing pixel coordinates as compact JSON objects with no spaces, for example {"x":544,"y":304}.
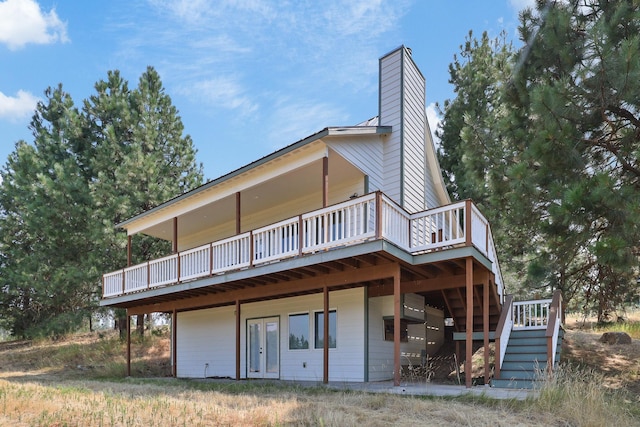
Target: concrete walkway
{"x":406,"y":388}
{"x":434,"y":389}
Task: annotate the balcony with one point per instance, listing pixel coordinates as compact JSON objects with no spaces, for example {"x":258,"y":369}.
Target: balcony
{"x":370,"y":217}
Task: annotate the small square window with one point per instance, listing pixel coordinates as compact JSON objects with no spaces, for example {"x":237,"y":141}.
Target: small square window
{"x":388,"y":330}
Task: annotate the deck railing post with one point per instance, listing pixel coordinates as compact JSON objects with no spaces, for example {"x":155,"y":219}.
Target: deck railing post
{"x":178,"y":268}
{"x":467,"y":222}
{"x":300,"y":235}
{"x":251,"y":249}
{"x":210,"y":259}
{"x":378,"y":215}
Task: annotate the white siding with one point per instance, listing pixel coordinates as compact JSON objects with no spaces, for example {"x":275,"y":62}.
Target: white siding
{"x":208,"y":336}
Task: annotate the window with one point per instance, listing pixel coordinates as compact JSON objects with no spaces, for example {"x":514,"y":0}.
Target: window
{"x":388,"y":330}
{"x":319,"y":329}
{"x":299,"y":331}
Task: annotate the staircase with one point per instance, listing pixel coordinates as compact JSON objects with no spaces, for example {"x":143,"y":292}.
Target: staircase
{"x":528,"y":334}
{"x":525,"y":359}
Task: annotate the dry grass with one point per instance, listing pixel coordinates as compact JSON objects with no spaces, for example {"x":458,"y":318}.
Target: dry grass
{"x":142,"y":404}
{"x":79,"y":381}
{"x":619,"y":364}
{"x":576,"y":395}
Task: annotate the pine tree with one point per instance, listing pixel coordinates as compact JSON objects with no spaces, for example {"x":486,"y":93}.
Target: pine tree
{"x":60,"y":197}
{"x":574,"y":103}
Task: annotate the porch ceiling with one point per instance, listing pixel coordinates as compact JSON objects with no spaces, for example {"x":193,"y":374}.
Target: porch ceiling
{"x":294,"y":184}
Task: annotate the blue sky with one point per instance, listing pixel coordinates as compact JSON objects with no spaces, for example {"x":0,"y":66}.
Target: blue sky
{"x":249,"y":76}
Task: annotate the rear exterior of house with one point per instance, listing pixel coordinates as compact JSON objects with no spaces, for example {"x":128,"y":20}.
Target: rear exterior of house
{"x":336,"y":258}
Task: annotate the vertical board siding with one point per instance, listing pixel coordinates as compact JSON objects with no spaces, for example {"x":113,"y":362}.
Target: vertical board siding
{"x":208,"y":336}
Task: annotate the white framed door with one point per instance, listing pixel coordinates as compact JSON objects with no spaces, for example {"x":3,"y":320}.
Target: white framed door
{"x":263,"y":348}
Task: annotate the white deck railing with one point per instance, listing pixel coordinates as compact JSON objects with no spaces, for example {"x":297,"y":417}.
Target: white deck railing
{"x":531,"y":314}
{"x":553,"y":328}
{"x":343,"y":224}
{"x":503,"y":332}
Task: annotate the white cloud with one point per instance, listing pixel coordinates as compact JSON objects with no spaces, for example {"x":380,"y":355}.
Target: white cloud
{"x":18,"y":107}
{"x":223,"y":92}
{"x":23,"y":22}
{"x":434,"y":121}
{"x":519,"y":5}
{"x":292,"y":121}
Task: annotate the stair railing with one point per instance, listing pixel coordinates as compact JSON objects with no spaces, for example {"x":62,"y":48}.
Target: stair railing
{"x":503,"y":331}
{"x":553,"y":328}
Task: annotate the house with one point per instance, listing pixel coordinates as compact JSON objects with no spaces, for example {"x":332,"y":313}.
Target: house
{"x":337,"y":258}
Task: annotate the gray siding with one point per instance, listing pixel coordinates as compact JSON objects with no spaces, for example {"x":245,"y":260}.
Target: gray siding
{"x":414,"y":128}
{"x":391,"y":115}
{"x":407,"y":175}
{"x":364,"y":153}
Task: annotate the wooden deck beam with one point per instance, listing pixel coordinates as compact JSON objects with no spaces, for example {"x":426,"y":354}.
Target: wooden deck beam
{"x":316,"y":283}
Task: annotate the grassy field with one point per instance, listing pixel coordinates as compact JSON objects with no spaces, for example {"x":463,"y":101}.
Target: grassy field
{"x":79,"y":381}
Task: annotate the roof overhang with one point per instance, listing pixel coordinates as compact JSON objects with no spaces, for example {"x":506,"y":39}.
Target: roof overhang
{"x":303,"y":143}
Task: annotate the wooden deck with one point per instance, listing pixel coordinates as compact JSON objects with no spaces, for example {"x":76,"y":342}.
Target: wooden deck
{"x":367,"y":218}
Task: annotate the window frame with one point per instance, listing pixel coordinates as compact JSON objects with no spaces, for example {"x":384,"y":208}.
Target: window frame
{"x":315,"y":329}
{"x":300,"y":314}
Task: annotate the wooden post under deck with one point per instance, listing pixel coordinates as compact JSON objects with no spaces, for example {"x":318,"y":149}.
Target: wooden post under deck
{"x":174,"y":343}
{"x":325,"y":181}
{"x":174,"y":244}
{"x":237,"y":340}
{"x":396,"y":327}
{"x":129,"y":251}
{"x":485,"y":326}
{"x":238,"y":213}
{"x":325,"y":368}
{"x":469,"y":323}
{"x":128,"y":344}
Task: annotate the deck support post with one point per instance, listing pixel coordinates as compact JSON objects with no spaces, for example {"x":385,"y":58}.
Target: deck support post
{"x":325,"y":181}
{"x":237,"y":340}
{"x":129,"y":251}
{"x":485,"y":325}
{"x":174,"y":244}
{"x":469,"y":322}
{"x":174,"y":343}
{"x":238,"y":213}
{"x":397,"y":367}
{"x":325,"y":366}
{"x":128,"y":344}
